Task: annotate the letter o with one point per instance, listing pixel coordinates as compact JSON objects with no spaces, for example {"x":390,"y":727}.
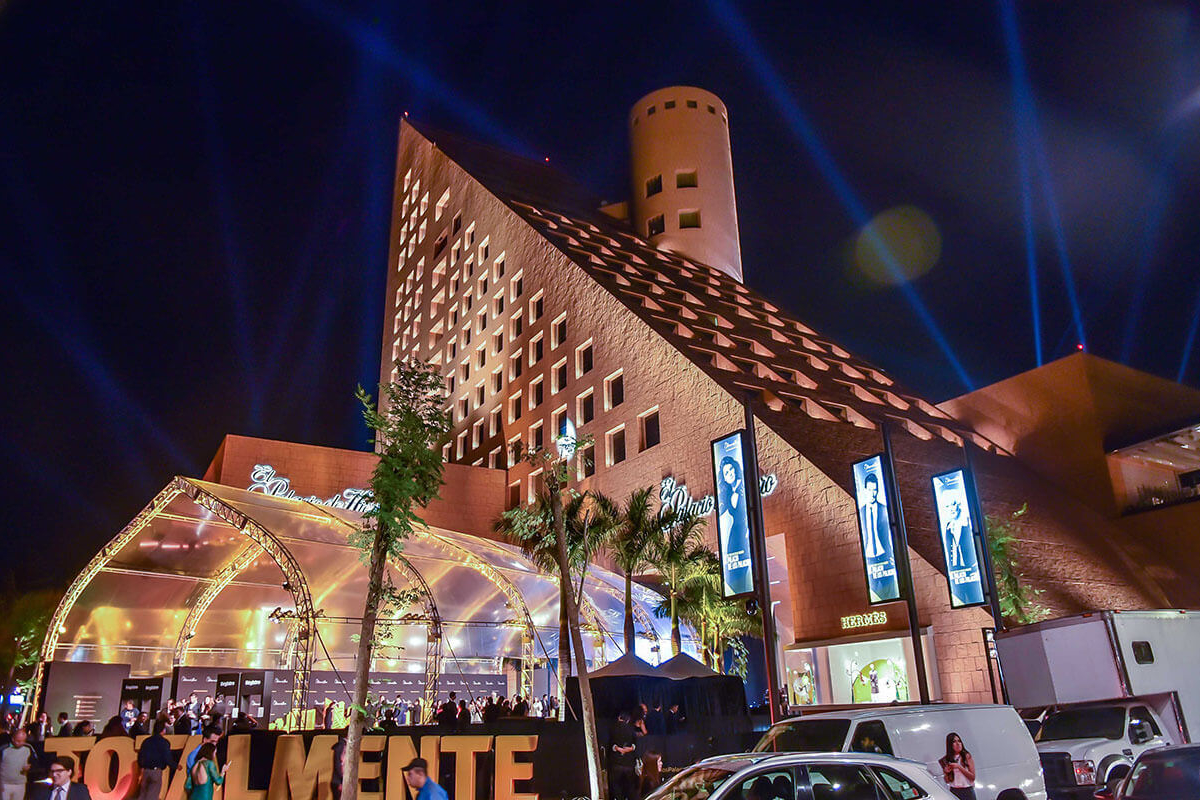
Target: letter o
{"x":99,"y":764}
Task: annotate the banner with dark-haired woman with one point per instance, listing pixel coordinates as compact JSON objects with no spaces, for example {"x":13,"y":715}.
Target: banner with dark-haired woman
{"x":875,"y":531}
{"x":960,"y":545}
{"x":733,"y":517}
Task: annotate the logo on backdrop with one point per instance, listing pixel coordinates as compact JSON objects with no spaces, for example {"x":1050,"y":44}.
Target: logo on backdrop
{"x":875,"y":531}
{"x":958,"y":539}
{"x":266,"y":480}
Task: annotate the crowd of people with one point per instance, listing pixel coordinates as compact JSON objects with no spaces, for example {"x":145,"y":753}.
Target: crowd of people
{"x":449,"y":713}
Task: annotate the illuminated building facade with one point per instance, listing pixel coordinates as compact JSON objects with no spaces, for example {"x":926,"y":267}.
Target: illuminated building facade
{"x":546,"y":312}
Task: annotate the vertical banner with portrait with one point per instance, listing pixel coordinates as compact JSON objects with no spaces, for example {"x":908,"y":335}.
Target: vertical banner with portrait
{"x":875,"y":530}
{"x":960,"y":540}
{"x":733,"y":515}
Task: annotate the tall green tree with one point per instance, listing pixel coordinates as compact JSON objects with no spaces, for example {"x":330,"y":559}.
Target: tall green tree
{"x":23,"y":620}
{"x":1018,"y":600}
{"x":679,"y":559}
{"x":409,"y":426}
{"x":639,"y":531}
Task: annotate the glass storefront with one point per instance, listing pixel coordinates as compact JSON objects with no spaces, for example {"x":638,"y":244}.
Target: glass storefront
{"x":879,"y":670}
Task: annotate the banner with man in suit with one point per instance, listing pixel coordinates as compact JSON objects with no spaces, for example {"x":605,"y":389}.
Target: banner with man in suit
{"x":875,"y":531}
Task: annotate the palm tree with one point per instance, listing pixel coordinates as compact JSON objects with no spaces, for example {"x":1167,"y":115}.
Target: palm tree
{"x":639,"y":532}
{"x":679,"y":558}
{"x":720,"y":622}
{"x":589,"y":520}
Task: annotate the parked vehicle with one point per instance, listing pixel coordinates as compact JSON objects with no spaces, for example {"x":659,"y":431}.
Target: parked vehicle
{"x":1006,"y":761}
{"x":1168,"y":773}
{"x":819,"y":776}
{"x":1115,"y":685}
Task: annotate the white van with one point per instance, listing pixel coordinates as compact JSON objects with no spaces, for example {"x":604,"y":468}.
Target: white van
{"x":1006,"y":762}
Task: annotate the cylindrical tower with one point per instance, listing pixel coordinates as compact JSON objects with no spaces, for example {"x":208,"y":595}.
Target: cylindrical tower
{"x":682,"y":172}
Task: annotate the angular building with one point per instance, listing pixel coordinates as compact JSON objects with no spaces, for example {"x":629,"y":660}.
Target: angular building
{"x":630,"y":323}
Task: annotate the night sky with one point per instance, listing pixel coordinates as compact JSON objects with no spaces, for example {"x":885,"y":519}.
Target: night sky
{"x":194,"y":199}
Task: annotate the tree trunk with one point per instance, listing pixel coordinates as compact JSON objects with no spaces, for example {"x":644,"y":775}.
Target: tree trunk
{"x":362,"y":666}
{"x":564,"y":651}
{"x":676,"y":639}
{"x":591,"y":740}
{"x":704,"y":641}
{"x":628,"y":613}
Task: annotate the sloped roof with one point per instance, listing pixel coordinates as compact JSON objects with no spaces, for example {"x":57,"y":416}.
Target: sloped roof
{"x":626,"y":665}
{"x":737,"y":336}
{"x":684,"y":666}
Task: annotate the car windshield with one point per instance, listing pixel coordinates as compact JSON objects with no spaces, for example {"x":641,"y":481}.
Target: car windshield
{"x":1165,"y":776}
{"x":698,"y":782}
{"x":1083,"y":723}
{"x":805,"y":736}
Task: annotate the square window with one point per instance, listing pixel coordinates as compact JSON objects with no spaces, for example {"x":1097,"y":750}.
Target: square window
{"x":650,"y":111}
{"x":686,"y":179}
{"x":480,"y":357}
{"x":560,"y":376}
{"x":616,"y":446}
{"x":536,"y":307}
{"x":494,"y":422}
{"x":691,"y":103}
{"x":669,"y":104}
{"x":537,"y":437}
{"x":446,"y":451}
{"x":477,"y":434}
{"x":585,"y":407}
{"x":494,"y":460}
{"x":518,"y":325}
{"x":689,"y":219}
{"x":461,"y":445}
{"x":456,"y":225}
{"x":497,"y":341}
{"x":587,"y":461}
{"x":653,"y":185}
{"x":454,"y":253}
{"x":650,"y":430}
{"x":464,"y":371}
{"x":537,"y":393}
{"x":514,"y":366}
{"x":560,"y":422}
{"x":440,"y":208}
{"x":498,"y":269}
{"x":559,"y":332}
{"x":655,"y":225}
{"x":514,"y":407}
{"x":583,"y":360}
{"x":514,"y":449}
{"x":514,"y":493}
{"x":498,"y":304}
{"x":536,"y":349}
{"x":614,"y":391}
{"x":450,"y":384}
{"x":518,"y":286}
{"x":712,"y":110}
{"x":479,"y":395}
{"x":497,"y":380}
{"x":464,"y":408}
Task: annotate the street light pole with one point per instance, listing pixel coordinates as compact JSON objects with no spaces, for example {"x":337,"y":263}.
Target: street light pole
{"x":758,"y":551}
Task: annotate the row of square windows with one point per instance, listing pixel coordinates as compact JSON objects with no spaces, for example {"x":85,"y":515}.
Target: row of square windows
{"x":537,"y":349}
{"x":670,"y":104}
{"x":684,"y":179}
{"x":585,"y":412}
{"x":688,"y":218}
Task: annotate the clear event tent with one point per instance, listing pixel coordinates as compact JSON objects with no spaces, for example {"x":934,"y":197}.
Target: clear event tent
{"x":211,"y":575}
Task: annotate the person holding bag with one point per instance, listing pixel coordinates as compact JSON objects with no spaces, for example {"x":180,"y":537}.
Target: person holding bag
{"x":204,"y":775}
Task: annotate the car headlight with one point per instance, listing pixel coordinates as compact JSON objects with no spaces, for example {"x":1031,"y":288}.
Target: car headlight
{"x":1085,"y":771}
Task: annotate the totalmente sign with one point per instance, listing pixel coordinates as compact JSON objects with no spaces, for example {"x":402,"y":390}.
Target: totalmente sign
{"x":275,"y":766}
{"x":266,"y":480}
{"x":864,"y":620}
{"x":675,"y":495}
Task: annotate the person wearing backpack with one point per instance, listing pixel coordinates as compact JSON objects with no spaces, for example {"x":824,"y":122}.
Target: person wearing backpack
{"x":204,"y":775}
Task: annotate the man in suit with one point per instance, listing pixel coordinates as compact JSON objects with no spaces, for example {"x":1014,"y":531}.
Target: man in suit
{"x":876,"y":528}
{"x":64,"y":724}
{"x":61,"y":787}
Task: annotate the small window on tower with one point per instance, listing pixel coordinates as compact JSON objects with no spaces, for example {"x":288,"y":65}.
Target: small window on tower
{"x":653,"y":185}
{"x":689,"y":219}
{"x":650,"y":110}
{"x":655,"y":225}
{"x":691,"y":103}
{"x":686,"y":179}
{"x":669,"y":104}
{"x":712,"y":110}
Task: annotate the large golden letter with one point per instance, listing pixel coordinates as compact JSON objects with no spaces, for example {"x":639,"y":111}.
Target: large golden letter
{"x":95,"y":772}
{"x":75,"y":746}
{"x":189,"y":743}
{"x":297,"y":777}
{"x":370,"y":770}
{"x":237,"y":781}
{"x":400,"y":751}
{"x":464,"y":749}
{"x":509,"y":771}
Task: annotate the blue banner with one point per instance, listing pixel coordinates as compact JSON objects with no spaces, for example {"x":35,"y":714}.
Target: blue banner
{"x":959,"y":540}
{"x":875,"y":531}
{"x":733,"y":515}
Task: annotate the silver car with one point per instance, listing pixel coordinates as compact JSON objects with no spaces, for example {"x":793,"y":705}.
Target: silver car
{"x":803,"y":776}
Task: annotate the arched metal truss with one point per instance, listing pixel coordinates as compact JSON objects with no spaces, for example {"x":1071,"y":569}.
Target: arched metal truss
{"x":261,"y":541}
{"x":205,"y":594}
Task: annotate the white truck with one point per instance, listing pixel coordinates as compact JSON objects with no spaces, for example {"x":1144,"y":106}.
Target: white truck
{"x":1113,"y":684}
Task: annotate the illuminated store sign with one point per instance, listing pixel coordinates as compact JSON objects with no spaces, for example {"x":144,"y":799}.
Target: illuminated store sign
{"x":266,"y":481}
{"x":675,"y":495}
{"x":875,"y":530}
{"x":960,"y":542}
{"x":864,"y":620}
